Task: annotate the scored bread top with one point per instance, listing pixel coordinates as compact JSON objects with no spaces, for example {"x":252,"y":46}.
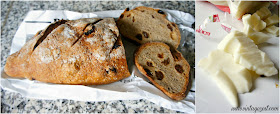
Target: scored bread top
{"x":166,"y":68}
{"x":87,"y":51}
{"x":144,"y":24}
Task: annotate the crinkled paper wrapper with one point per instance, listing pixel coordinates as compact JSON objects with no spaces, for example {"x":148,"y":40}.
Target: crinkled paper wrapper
{"x":132,"y":88}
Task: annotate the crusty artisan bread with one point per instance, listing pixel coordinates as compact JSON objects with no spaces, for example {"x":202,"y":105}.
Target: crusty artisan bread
{"x":165,"y":67}
{"x":87,"y":51}
{"x":144,"y":24}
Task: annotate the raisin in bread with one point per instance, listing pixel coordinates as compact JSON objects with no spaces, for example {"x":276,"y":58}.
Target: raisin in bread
{"x":165,"y":67}
{"x":86,"y":51}
{"x":144,"y":24}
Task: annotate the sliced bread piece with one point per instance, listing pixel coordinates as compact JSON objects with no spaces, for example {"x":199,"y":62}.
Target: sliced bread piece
{"x":144,"y":24}
{"x":165,"y":67}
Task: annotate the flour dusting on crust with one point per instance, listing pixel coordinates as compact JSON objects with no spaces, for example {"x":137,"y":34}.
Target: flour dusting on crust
{"x":45,"y":55}
{"x":68,"y":32}
{"x":118,"y":53}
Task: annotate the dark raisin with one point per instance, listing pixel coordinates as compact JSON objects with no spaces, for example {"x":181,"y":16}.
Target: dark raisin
{"x":133,"y":19}
{"x":121,"y":16}
{"x":32,"y":78}
{"x":160,"y":11}
{"x":93,"y":27}
{"x":170,"y":27}
{"x":149,"y":64}
{"x":128,"y":15}
{"x":148,"y":72}
{"x":77,"y":66}
{"x":160,"y":55}
{"x":174,"y":24}
{"x":166,"y":61}
{"x":139,"y":36}
{"x":116,"y":46}
{"x":89,"y":32}
{"x":127,"y":9}
{"x":176,"y":56}
{"x":86,"y":33}
{"x":114,"y":70}
{"x":159,"y":75}
{"x":142,"y":10}
{"x":106,"y":71}
{"x":153,"y":16}
{"x":179,"y":68}
{"x":262,"y":76}
{"x":146,"y":35}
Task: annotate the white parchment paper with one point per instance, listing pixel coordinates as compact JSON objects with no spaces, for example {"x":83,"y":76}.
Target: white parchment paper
{"x":132,"y":88}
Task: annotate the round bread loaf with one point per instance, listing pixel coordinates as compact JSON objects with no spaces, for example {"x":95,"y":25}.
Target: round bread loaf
{"x":144,"y":24}
{"x":86,"y":51}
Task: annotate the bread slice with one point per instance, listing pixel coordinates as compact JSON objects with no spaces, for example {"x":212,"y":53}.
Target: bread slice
{"x":165,"y":67}
{"x":86,"y":51}
{"x":144,"y":24}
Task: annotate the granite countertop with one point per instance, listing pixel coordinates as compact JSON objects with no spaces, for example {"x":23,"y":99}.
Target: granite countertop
{"x":13,"y":13}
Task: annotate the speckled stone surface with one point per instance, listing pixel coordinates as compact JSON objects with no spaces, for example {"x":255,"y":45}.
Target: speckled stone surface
{"x":13,"y":13}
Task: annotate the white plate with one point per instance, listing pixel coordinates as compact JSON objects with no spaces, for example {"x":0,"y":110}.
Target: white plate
{"x":208,"y":96}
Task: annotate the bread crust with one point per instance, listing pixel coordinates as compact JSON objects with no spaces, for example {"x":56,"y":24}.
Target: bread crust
{"x":166,"y":31}
{"x":175,"y":96}
{"x":87,"y":51}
